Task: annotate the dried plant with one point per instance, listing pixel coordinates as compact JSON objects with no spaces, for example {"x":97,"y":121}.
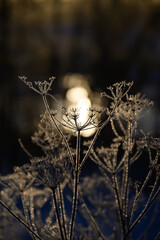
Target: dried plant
{"x":107,"y":205}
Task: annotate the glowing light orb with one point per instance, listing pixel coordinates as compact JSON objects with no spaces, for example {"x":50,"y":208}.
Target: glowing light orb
{"x":76,"y":93}
{"x":78,"y":98}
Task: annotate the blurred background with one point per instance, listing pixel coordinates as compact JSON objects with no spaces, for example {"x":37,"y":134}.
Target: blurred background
{"x":84,"y":43}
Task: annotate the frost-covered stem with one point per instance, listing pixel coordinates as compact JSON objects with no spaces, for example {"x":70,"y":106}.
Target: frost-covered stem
{"x":126,"y":174}
{"x":57,"y":213}
{"x":26,"y":213}
{"x":153,"y":188}
{"x":63,"y":214}
{"x":114,"y":129}
{"x":142,"y":213}
{"x":121,"y":125}
{"x":20,"y":220}
{"x":59,"y":130}
{"x":98,"y":161}
{"x":33,"y":222}
{"x":101,"y":166}
{"x":138,"y":194}
{"x":91,"y":218}
{"x":50,"y":215}
{"x":143,"y":186}
{"x":120,"y":165}
{"x":93,"y":141}
{"x":126,"y":189}
{"x":75,"y":187}
{"x":119,"y":208}
{"x":98,"y":133}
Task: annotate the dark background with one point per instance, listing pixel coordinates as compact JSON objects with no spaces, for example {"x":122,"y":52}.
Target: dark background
{"x":104,"y":40}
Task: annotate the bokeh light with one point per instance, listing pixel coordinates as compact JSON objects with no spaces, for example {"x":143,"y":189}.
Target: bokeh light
{"x":76,"y":93}
{"x":78,"y":97}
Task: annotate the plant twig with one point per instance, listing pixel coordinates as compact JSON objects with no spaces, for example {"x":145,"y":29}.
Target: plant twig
{"x":57,"y":213}
{"x":63,"y":215}
{"x":119,"y":207}
{"x":76,"y":183}
{"x":97,"y":134}
{"x":91,"y":217}
{"x":26,"y":213}
{"x":142,"y":213}
{"x":59,"y":130}
{"x":20,"y":220}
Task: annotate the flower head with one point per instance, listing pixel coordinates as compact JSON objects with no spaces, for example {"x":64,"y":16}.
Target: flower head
{"x":50,"y":171}
{"x":71,"y":119}
{"x":38,"y":86}
{"x":133,"y":107}
{"x":117,"y":90}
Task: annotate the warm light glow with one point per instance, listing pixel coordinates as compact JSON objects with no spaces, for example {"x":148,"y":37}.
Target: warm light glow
{"x":74,"y":80}
{"x":78,"y":98}
{"x":83,"y":105}
{"x":76,"y":93}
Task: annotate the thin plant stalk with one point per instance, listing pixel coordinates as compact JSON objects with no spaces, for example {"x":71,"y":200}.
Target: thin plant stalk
{"x":26,"y":213}
{"x":118,"y":202}
{"x":97,"y":134}
{"x":59,"y":130}
{"x":76,"y":183}
{"x":125,"y":185}
{"x":63,"y":214}
{"x":101,"y":167}
{"x":32,"y":214}
{"x":138,"y":194}
{"x":143,"y":186}
{"x":91,"y":217}
{"x":20,"y":220}
{"x":142,"y":213}
{"x":125,"y":190}
{"x":57,"y":214}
